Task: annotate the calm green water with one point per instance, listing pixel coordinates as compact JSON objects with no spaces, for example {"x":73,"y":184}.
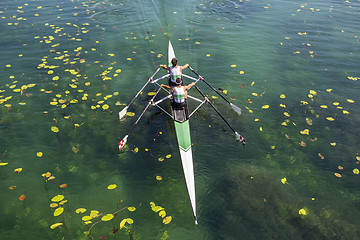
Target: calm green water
{"x":63,"y":62}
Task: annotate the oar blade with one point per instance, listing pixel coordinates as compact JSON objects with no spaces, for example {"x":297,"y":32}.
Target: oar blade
{"x":122,"y":142}
{"x":235,"y":108}
{"x":123,"y":112}
{"x":240,"y":138}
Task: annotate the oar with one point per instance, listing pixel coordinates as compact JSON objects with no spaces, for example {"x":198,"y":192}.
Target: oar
{"x":124,"y":140}
{"x":233,"y":106}
{"x":238,"y":136}
{"x":123,"y":112}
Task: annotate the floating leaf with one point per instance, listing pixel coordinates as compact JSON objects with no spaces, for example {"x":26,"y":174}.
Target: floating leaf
{"x":151,"y":93}
{"x":112,"y":186}
{"x":159,"y":178}
{"x":321,"y":156}
{"x":54,"y":129}
{"x":350,"y":100}
{"x":131,"y":209}
{"x":340,"y":167}
{"x":330,"y":119}
{"x":136,"y":150}
{"x":86,"y":218}
{"x":53,"y":205}
{"x":241,"y":72}
{"x":323,"y":106}
{"x":22,"y":197}
{"x":107,"y":217}
{"x":58,"y":211}
{"x":338,"y":175}
{"x":162,"y":213}
{"x":80,"y":210}
{"x":283,"y":180}
{"x":156,"y":208}
{"x":308,"y":121}
{"x":3,"y":163}
{"x":233,"y":66}
{"x":167,"y":220}
{"x":168,"y":156}
{"x":94,"y":213}
{"x":265,"y":107}
{"x":303,"y":212}
{"x":333,"y":144}
{"x":55,"y":225}
{"x":17,"y":170}
{"x":12,"y":187}
{"x":356,"y":171}
{"x":63,"y":202}
{"x":312,"y":92}
{"x":63,"y":185}
{"x":282,"y":96}
{"x":105,"y":106}
{"x":126,"y":220}
{"x":39,"y":154}
{"x":131,"y":114}
{"x":57,"y":198}
{"x":305,"y":131}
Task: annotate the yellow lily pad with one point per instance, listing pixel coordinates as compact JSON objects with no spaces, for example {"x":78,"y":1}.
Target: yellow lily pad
{"x":112,"y":186}
{"x":162,"y":213}
{"x":86,"y":218}
{"x":107,"y":217}
{"x":80,"y":210}
{"x":303,"y":212}
{"x":356,"y":171}
{"x":167,"y":220}
{"x":55,"y":225}
{"x":58,"y":211}
{"x":57,"y":198}
{"x":132,"y":209}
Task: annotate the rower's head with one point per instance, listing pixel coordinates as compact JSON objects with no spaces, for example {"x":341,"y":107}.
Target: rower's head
{"x":174,"y":62}
{"x":178,"y":81}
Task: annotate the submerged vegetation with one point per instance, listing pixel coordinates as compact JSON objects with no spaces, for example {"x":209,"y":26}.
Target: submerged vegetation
{"x":68,"y":67}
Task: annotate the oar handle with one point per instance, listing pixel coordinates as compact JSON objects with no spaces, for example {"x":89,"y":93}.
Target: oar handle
{"x":201,"y":78}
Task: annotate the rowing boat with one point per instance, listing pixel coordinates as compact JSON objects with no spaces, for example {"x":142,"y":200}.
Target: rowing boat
{"x":182,"y":128}
{"x":181,"y":118}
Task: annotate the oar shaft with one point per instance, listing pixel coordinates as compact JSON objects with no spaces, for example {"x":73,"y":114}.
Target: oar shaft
{"x":149,"y":80}
{"x":201,"y":78}
{"x":215,"y":108}
{"x":146,"y":108}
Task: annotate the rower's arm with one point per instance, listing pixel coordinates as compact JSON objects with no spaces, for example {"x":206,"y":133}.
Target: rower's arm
{"x":165,"y":86}
{"x":185,"y":66}
{"x":190,"y":85}
{"x":165,"y":67}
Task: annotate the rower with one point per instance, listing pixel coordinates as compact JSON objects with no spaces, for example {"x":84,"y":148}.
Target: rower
{"x":179,"y":93}
{"x":175,"y":71}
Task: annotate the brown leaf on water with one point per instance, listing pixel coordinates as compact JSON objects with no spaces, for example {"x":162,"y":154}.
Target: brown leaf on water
{"x":302,"y":144}
{"x":338,"y":175}
{"x":340,"y":168}
{"x":321,"y":156}
{"x":287,"y":136}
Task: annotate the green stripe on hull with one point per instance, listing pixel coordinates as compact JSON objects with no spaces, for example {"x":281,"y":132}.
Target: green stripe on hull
{"x":183,"y":135}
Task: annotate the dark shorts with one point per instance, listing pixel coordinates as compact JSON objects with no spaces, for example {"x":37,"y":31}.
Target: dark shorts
{"x":172,"y":84}
{"x":178,"y":105}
